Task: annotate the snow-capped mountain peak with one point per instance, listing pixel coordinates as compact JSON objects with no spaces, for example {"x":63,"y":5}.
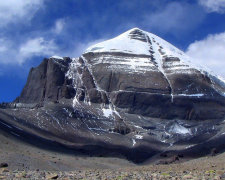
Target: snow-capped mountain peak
{"x":135,"y":41}
{"x":139,"y":42}
{"x":139,"y":51}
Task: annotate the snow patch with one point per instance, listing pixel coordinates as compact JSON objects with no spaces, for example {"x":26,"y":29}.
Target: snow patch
{"x":190,"y":146}
{"x":138,"y":136}
{"x":178,"y":129}
{"x":121,"y":43}
{"x":107,"y":112}
{"x":194,"y":95}
{"x":138,"y":127}
{"x":133,"y":141}
{"x":57,"y":57}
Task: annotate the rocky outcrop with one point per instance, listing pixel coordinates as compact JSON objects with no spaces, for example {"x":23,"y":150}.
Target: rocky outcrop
{"x":180,"y":95}
{"x":47,"y":82}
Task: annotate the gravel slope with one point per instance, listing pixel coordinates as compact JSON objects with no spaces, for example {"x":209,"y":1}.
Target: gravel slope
{"x":29,"y":162}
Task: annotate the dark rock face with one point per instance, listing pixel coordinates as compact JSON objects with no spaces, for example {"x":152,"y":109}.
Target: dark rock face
{"x":110,"y":78}
{"x":34,"y":90}
{"x":147,"y":94}
{"x":47,"y":82}
{"x":130,"y":102}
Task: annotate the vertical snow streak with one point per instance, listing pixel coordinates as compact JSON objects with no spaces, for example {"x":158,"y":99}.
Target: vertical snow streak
{"x":111,"y":105}
{"x":74,"y":75}
{"x":159,"y":60}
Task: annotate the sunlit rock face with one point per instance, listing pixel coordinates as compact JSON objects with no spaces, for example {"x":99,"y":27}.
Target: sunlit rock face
{"x":133,"y":93}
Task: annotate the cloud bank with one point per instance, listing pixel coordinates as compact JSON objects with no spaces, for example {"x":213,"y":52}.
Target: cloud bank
{"x":210,"y":52}
{"x":37,"y":47}
{"x":213,"y":5}
{"x":32,"y":47}
{"x":12,"y":11}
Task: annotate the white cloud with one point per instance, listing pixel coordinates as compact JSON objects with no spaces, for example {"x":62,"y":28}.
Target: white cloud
{"x":59,"y":25}
{"x":32,"y":47}
{"x":17,"y":11}
{"x":37,"y":47}
{"x":213,"y":5}
{"x":175,"y":17}
{"x":210,"y":52}
{"x":13,"y":10}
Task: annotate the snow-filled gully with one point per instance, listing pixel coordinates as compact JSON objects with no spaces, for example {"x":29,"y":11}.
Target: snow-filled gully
{"x":158,"y":56}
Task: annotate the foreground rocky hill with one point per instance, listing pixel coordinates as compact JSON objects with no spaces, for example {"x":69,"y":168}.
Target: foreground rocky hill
{"x":134,"y":96}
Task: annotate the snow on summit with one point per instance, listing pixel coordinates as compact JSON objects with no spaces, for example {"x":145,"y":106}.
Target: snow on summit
{"x":135,"y":41}
{"x":122,"y":43}
{"x":141,"y":51}
{"x":138,"y":42}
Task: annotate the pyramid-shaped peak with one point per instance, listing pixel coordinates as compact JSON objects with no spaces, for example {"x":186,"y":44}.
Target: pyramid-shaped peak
{"x":136,"y":41}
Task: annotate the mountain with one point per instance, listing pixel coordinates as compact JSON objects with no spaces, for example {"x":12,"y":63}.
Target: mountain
{"x":135,"y":95}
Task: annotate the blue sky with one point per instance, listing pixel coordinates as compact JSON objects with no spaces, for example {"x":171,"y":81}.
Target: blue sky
{"x":32,"y":30}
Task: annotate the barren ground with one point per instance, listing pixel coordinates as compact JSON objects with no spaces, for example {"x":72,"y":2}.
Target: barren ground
{"x":30,"y":162}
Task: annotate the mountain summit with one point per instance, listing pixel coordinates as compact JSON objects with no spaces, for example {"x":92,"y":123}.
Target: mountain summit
{"x":135,"y":41}
{"x":135,"y":95}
